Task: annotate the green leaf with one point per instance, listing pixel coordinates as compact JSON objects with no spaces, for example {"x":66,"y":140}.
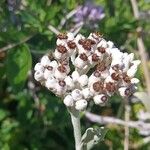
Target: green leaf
{"x":17,"y":66}
{"x":3,"y":114}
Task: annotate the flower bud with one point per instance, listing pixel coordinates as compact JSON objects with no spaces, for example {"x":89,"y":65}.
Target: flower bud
{"x":76,"y":94}
{"x":68,"y":101}
{"x":39,"y":67}
{"x":100,"y":99}
{"x":69,"y":82}
{"x":135,"y":81}
{"x":39,"y":75}
{"x":75,"y":76}
{"x":60,"y":87}
{"x":86,"y":93}
{"x":54,"y":64}
{"x":124,"y":91}
{"x":45,"y":60}
{"x":50,"y":82}
{"x":83,"y":80}
{"x":80,"y":63}
{"x":110,"y":44}
{"x":60,"y":72}
{"x":48,"y":72}
{"x":81,"y":105}
{"x":131,"y":72}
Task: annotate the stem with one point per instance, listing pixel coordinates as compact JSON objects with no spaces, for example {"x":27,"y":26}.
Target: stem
{"x":75,"y":119}
{"x":127,"y":117}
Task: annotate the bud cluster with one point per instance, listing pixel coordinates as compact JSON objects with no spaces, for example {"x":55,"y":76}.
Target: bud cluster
{"x":85,"y":69}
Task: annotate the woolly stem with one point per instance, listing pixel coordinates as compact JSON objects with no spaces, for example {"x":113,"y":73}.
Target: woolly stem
{"x":75,"y":119}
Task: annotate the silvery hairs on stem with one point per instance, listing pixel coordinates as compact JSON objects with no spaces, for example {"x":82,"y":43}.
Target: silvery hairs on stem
{"x":87,"y":69}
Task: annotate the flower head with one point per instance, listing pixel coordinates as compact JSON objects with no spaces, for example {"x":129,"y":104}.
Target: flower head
{"x":99,"y":70}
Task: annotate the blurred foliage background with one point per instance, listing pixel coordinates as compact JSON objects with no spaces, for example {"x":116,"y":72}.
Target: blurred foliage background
{"x":31,"y":117}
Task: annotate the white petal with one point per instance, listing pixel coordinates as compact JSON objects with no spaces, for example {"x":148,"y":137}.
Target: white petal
{"x":79,"y":63}
{"x":93,"y":79}
{"x":70,"y":36}
{"x":131,"y":72}
{"x":45,"y":60}
{"x":38,"y":67}
{"x":50,"y":83}
{"x":135,"y":80}
{"x":61,"y":41}
{"x":131,"y":55}
{"x":110,"y":44}
{"x":100,"y":99}
{"x":48,"y":73}
{"x":102,"y":43}
{"x":54,"y":64}
{"x":122,"y":91}
{"x":69,"y":82}
{"x":75,"y":76}
{"x":59,"y":75}
{"x":39,"y":75}
{"x":57,"y":54}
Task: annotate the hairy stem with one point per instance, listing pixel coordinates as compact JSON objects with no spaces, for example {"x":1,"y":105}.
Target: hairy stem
{"x":127,"y":117}
{"x":75,"y":119}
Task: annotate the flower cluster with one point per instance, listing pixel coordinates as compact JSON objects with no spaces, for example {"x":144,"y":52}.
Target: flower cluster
{"x":89,"y":13}
{"x":87,"y":69}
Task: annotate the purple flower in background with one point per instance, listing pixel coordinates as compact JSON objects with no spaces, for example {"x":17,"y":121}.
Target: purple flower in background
{"x":89,"y":13}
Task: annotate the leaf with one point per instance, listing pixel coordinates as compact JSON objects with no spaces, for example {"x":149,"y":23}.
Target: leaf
{"x":3,"y":114}
{"x":144,"y":98}
{"x":92,"y":136}
{"x":17,"y":66}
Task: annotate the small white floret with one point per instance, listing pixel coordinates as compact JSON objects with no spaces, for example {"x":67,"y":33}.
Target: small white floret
{"x":83,"y":80}
{"x":68,"y":101}
{"x":76,"y":94}
{"x":81,"y":105}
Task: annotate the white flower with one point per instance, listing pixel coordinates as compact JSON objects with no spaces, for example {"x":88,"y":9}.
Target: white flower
{"x":48,"y":72}
{"x":60,"y":72}
{"x":75,"y":76}
{"x":68,"y":101}
{"x":132,"y":70}
{"x":76,"y":94}
{"x":83,"y":80}
{"x":39,"y":76}
{"x":86,"y":93}
{"x":94,"y":78}
{"x":86,"y":69}
{"x":54,"y":64}
{"x":102,"y":43}
{"x":100,"y":99}
{"x":45,"y":61}
{"x":81,"y":105}
{"x":60,"y":87}
{"x":39,"y":67}
{"x":80,"y":63}
{"x":125,"y":91}
{"x":50,"y":82}
{"x":69,"y":82}
{"x":110,"y":44}
{"x":70,"y":36}
{"x":135,"y":81}
{"x":57,"y":54}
